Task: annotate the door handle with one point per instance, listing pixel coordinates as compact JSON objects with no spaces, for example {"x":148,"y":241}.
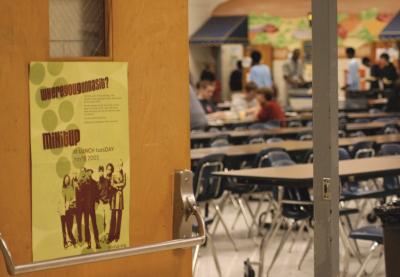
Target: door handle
{"x":185,"y":206}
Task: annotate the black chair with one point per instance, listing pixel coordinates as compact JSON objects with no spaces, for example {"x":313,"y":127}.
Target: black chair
{"x":389,"y":129}
{"x":373,"y":234}
{"x":305,"y":136}
{"x":220,"y":140}
{"x":208,"y":188}
{"x":389,"y":149}
{"x":255,"y":139}
{"x":363,"y":149}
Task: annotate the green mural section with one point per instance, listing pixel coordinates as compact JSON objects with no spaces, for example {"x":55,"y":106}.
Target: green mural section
{"x":354,"y":30}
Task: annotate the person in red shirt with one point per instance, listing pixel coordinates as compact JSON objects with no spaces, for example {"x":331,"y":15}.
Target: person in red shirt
{"x":269,"y":108}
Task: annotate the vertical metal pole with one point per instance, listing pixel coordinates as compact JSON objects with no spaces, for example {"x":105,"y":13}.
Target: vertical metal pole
{"x":325,"y":118}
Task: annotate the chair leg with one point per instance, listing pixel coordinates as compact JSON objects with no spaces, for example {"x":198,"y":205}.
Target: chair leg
{"x":217,"y":209}
{"x":214,"y":253}
{"x":299,"y":233}
{"x":380,"y":260}
{"x":244,"y":212}
{"x":280,"y":247}
{"x":308,"y":247}
{"x":371,"y":252}
{"x":236,"y":219}
{"x":276,"y":224}
{"x":195,"y":259}
{"x":222,"y":206}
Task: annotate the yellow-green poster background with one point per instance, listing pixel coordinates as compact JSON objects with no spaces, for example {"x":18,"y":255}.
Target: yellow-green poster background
{"x":102,"y":118}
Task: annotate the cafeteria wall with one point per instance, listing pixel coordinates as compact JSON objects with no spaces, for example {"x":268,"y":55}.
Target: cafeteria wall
{"x":152,"y":37}
{"x":199,"y":12}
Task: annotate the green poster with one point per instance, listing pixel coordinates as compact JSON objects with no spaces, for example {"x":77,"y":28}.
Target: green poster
{"x":80,"y":157}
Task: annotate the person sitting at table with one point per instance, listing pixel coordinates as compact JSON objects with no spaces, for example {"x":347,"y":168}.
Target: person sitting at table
{"x":269,"y":107}
{"x":205,"y":91}
{"x":245,"y":104}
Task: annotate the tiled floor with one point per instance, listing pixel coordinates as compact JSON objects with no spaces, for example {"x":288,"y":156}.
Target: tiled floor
{"x":232,"y":262}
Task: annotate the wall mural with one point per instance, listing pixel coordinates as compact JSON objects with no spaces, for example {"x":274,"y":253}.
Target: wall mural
{"x":354,"y":30}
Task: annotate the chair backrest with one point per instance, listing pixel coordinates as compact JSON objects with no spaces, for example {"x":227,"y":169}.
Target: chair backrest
{"x":389,"y":149}
{"x":357,"y":134}
{"x":274,"y":139}
{"x":344,"y":154}
{"x":390,"y":129}
{"x":205,"y":185}
{"x":295,"y":124}
{"x":266,"y":157}
{"x":342,"y":134}
{"x":374,"y":111}
{"x":255,"y":139}
{"x":294,"y":194}
{"x":257,"y":126}
{"x":362,"y":120}
{"x":220,"y":140}
{"x":363,"y":149}
{"x":305,"y":136}
{"x":273,"y":123}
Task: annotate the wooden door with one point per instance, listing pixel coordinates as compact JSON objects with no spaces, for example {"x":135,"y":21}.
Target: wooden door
{"x":152,"y":37}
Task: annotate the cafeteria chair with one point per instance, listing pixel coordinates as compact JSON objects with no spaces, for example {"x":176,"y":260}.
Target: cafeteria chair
{"x":274,"y":139}
{"x":296,"y":207}
{"x":356,"y":134}
{"x":305,"y":136}
{"x":295,"y":123}
{"x":220,"y":140}
{"x":389,"y":129}
{"x":373,"y":234}
{"x":389,"y":149}
{"x":363,"y":149}
{"x":255,"y":139}
{"x":207,"y":189}
{"x":374,"y":111}
{"x":362,"y":120}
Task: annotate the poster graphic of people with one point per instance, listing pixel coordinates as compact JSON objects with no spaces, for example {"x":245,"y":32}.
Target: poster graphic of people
{"x":80,"y":158}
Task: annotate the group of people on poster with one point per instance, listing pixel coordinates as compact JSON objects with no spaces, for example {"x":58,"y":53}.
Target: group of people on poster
{"x":84,"y":196}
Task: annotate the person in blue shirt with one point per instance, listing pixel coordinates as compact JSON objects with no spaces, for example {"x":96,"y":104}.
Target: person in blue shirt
{"x":353,"y":76}
{"x":260,"y":74}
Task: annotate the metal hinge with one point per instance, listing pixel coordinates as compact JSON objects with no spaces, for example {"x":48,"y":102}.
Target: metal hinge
{"x":326,"y":188}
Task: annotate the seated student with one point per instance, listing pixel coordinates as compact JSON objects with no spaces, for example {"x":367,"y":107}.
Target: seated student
{"x":269,"y":108}
{"x":198,"y":118}
{"x":205,"y":91}
{"x":393,"y":104}
{"x":245,"y":104}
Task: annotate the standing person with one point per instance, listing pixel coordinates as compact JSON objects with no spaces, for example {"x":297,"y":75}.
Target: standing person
{"x":207,"y":74}
{"x":269,"y":108}
{"x":389,"y":73}
{"x":90,"y":196}
{"x":78,"y":182}
{"x":236,"y":78}
{"x":353,"y":75}
{"x":393,"y":104}
{"x":293,"y":71}
{"x":118,"y":183}
{"x":103,"y":186}
{"x":374,"y":75}
{"x":65,"y":209}
{"x":245,"y":104}
{"x":260,"y":74}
